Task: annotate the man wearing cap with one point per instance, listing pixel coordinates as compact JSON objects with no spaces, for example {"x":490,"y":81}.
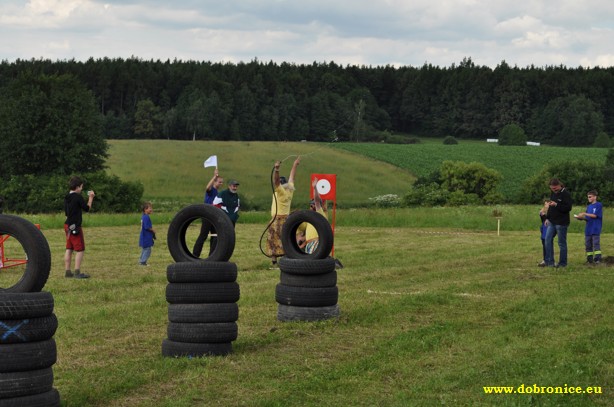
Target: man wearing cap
{"x":280,"y":209}
{"x":228,"y":201}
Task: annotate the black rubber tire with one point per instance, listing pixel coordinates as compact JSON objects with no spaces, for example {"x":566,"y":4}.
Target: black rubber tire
{"x":306,"y":266}
{"x":194,"y":313}
{"x":27,"y":330}
{"x":315,"y":280}
{"x":306,"y":296}
{"x":292,"y":313}
{"x":18,"y":384}
{"x":203,"y":332}
{"x":188,"y":349}
{"x":47,"y":399}
{"x":202,"y":272}
{"x":288,"y":235}
{"x":36,"y":249}
{"x":19,"y":357}
{"x":25,"y":305}
{"x":221,"y":223}
{"x":202,"y":293}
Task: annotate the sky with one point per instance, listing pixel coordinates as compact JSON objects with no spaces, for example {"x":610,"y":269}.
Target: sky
{"x":522,"y":33}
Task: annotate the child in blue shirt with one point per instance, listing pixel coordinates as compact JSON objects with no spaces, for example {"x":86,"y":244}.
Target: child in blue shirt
{"x":148,"y":234}
{"x":592,"y":231}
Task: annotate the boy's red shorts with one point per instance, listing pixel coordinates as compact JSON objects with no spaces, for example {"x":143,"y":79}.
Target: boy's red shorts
{"x":74,"y":242}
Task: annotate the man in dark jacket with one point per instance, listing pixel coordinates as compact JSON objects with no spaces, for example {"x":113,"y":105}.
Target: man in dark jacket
{"x":228,"y":201}
{"x":557,"y":222}
{"x":74,"y":205}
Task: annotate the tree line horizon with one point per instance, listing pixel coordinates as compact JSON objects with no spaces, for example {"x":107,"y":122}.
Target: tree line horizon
{"x":182,"y":100}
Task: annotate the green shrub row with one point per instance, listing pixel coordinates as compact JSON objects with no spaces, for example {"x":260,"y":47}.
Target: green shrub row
{"x":45,"y":194}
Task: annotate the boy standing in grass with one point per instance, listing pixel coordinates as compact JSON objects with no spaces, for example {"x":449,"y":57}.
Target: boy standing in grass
{"x":592,"y":230}
{"x":148,"y":234}
{"x":74,"y":205}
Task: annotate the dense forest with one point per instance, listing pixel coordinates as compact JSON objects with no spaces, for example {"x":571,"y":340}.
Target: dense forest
{"x":269,"y":101}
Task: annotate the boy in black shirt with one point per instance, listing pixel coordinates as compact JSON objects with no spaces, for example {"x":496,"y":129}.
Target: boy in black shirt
{"x":74,"y":205}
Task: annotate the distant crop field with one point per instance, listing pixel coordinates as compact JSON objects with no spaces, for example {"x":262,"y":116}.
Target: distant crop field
{"x":515,"y":163}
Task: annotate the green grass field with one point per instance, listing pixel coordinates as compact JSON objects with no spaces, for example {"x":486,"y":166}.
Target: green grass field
{"x":429,"y":316}
{"x":435,"y":304}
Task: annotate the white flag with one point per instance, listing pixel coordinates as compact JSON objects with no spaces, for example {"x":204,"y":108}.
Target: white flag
{"x":211,"y":161}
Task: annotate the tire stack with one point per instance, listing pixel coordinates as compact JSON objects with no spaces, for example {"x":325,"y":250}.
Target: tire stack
{"x":307,"y":290}
{"x":202,"y":309}
{"x":27,"y":324}
{"x":202,"y":294}
{"x":27,"y":349}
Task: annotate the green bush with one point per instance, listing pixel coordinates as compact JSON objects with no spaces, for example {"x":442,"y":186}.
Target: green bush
{"x":388,"y":138}
{"x":578,"y":177}
{"x":456,"y":183}
{"x":45,"y":194}
{"x":602,"y":140}
{"x":426,"y":195}
{"x":512,"y":135}
{"x":449,"y":140}
{"x":459,"y":198}
{"x":470,"y":178}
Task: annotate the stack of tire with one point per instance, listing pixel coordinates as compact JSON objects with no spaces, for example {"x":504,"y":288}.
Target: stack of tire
{"x":27,"y":324}
{"x":202,"y":294}
{"x":307,"y":290}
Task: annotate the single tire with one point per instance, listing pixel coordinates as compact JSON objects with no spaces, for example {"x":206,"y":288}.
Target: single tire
{"x":306,"y":266}
{"x":202,"y":293}
{"x":288,"y":235}
{"x":188,"y":349}
{"x":194,"y":313}
{"x":306,"y":296}
{"x":221,"y":223}
{"x":36,"y":250}
{"x":202,"y":272}
{"x":315,"y":280}
{"x":25,"y":305}
{"x":47,"y":399}
{"x":203,"y":332}
{"x":292,"y":313}
{"x":19,"y":357}
{"x":27,"y":330}
{"x":18,"y":384}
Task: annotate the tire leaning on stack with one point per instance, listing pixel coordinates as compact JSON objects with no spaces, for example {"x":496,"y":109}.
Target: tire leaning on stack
{"x":202,"y":294}
{"x":307,"y":289}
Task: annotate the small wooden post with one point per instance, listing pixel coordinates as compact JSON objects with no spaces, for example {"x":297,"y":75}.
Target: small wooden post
{"x":497,"y":213}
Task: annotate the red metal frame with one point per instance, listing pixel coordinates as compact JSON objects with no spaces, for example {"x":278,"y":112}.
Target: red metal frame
{"x":8,"y":262}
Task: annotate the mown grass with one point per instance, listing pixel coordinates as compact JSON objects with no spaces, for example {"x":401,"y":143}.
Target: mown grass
{"x":428,"y":317}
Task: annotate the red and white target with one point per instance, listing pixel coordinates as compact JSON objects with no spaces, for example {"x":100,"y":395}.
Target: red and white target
{"x":326,"y":185}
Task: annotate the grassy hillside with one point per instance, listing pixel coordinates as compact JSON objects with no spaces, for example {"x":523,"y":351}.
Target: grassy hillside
{"x":515,"y":163}
{"x":173,"y":172}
